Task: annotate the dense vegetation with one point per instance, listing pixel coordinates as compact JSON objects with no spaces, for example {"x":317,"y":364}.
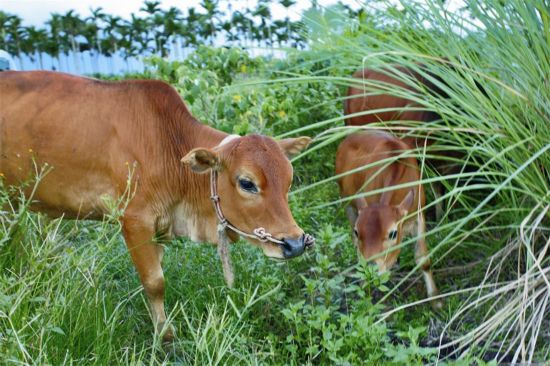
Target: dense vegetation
{"x":69,"y":294}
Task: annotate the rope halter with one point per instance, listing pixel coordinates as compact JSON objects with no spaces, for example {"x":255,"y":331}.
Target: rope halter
{"x":259,"y":233}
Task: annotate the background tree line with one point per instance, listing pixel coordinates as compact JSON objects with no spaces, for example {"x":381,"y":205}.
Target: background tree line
{"x":151,"y":31}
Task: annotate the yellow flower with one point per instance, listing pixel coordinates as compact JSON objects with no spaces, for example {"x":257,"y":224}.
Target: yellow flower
{"x":237,"y":98}
{"x":1,"y":174}
{"x":282,"y":114}
{"x":243,"y":68}
{"x":30,"y":150}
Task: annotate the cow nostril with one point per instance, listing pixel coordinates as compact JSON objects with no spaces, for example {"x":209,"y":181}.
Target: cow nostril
{"x":293,"y":247}
{"x":293,"y":243}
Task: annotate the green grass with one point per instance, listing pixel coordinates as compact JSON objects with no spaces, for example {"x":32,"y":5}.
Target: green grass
{"x":498,"y":207}
{"x":69,"y":294}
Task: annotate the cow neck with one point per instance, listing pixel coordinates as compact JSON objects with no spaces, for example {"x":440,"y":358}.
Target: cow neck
{"x":184,"y":184}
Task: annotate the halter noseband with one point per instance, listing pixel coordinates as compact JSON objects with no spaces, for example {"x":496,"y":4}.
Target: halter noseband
{"x":259,"y":233}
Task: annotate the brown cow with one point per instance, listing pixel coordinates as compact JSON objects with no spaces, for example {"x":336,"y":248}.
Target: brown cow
{"x":92,"y":133}
{"x":374,"y":96}
{"x":381,"y":220}
{"x":391,"y":108}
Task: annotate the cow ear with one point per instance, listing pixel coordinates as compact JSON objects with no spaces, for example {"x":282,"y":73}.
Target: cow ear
{"x":360,"y":203}
{"x":294,"y":146}
{"x":406,"y":204}
{"x":201,"y":160}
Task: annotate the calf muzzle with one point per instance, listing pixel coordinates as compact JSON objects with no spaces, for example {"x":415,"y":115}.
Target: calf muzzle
{"x":294,"y":247}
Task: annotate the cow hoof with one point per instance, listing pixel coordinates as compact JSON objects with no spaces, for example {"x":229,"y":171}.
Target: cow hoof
{"x":167,"y":333}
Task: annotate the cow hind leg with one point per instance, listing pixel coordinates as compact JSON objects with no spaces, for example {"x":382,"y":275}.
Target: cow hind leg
{"x":147,"y":256}
{"x":423,"y":260}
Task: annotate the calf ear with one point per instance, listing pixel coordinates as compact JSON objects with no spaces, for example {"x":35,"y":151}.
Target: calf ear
{"x":201,"y":160}
{"x":407,"y":202}
{"x":294,"y":146}
{"x":360,"y":203}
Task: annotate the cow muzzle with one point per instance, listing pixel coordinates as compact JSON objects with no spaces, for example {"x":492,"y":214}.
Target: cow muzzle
{"x":295,"y":247}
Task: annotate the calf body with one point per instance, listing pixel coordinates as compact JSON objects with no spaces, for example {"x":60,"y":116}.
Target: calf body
{"x":101,"y":140}
{"x":380,"y":221}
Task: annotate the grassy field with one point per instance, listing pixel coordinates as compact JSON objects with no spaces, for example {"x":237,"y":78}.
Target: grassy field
{"x":69,"y":293}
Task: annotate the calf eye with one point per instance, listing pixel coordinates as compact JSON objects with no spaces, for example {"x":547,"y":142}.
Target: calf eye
{"x":392,"y":235}
{"x":248,"y":185}
{"x":355,"y":233}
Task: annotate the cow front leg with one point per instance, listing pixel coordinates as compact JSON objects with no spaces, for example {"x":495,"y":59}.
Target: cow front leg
{"x":423,"y":260}
{"x":147,"y":256}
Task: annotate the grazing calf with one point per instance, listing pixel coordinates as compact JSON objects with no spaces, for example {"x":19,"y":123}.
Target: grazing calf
{"x":381,"y":220}
{"x":90,"y":132}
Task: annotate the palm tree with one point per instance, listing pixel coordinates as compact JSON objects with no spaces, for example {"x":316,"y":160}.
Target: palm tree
{"x":73,"y":26}
{"x":58,"y":41}
{"x":140,"y":36}
{"x":287,"y":4}
{"x":229,"y":28}
{"x":34,"y":43}
{"x":172,"y":26}
{"x":52,"y":49}
{"x":127,"y":45}
{"x":92,"y":30}
{"x":263,"y":32}
{"x":14,"y":35}
{"x":209,"y":28}
{"x":242,"y":24}
{"x":281,"y":30}
{"x":5,"y":20}
{"x":90,"y":33}
{"x":160,"y":37}
{"x":191,"y":28}
{"x":111,"y":36}
{"x":152,"y":8}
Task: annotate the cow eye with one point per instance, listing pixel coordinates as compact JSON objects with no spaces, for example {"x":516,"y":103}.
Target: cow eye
{"x":355,"y":233}
{"x":247,"y":185}
{"x":392,"y":235}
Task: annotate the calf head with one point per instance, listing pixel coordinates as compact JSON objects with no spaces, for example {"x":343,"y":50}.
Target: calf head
{"x":378,"y":229}
{"x":254,"y":178}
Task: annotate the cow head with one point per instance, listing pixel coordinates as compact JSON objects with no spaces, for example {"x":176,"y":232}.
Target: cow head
{"x":378,"y":229}
{"x":254,"y":178}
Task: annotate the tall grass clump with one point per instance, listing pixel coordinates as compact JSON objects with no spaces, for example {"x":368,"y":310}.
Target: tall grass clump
{"x":70,"y":295}
{"x":491,"y":64}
